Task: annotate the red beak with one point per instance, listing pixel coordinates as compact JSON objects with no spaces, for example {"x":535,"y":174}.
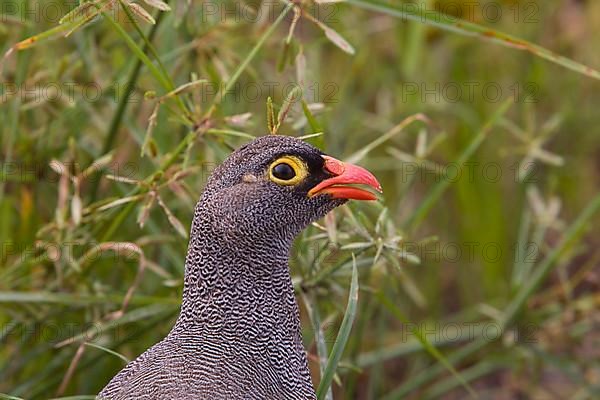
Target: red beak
{"x":346,"y":174}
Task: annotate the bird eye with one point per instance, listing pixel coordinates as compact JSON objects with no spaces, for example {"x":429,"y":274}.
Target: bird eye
{"x":283,"y":171}
{"x":287,"y":170}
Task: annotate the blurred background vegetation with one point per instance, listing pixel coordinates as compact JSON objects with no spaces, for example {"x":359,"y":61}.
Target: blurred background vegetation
{"x":478,"y":269}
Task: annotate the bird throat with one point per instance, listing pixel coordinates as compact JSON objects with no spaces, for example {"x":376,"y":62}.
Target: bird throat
{"x":238,"y":301}
{"x":238,"y":288}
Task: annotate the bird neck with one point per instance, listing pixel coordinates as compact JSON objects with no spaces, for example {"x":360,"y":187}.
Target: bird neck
{"x":238,"y":301}
{"x":229,"y":274}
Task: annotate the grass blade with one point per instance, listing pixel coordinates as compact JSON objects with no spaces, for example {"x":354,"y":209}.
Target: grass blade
{"x":426,"y":345}
{"x":63,"y":29}
{"x":359,"y":155}
{"x":107,"y":350}
{"x":470,"y":374}
{"x":546,"y":265}
{"x":520,"y":266}
{"x":439,"y":188}
{"x":342,"y":337}
{"x":4,"y":396}
{"x":139,"y":314}
{"x":148,"y":45}
{"x":291,"y":98}
{"x":119,"y":113}
{"x":250,"y":56}
{"x":312,"y":121}
{"x":230,"y":132}
{"x":315,"y":319}
{"x":452,"y":24}
{"x":429,"y":373}
{"x":165,"y":81}
{"x":78,"y":300}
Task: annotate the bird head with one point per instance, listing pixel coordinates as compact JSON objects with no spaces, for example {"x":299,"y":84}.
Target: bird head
{"x":277,"y":185}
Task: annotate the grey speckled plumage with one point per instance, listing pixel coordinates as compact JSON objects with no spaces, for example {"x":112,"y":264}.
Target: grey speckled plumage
{"x":238,"y":333}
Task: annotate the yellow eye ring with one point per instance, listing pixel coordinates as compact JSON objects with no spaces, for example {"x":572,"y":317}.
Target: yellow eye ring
{"x":287,"y":170}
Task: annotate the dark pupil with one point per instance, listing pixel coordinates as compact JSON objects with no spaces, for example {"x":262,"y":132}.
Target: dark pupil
{"x":284,"y":172}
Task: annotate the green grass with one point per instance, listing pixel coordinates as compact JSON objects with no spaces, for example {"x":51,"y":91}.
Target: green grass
{"x":482,"y":285}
